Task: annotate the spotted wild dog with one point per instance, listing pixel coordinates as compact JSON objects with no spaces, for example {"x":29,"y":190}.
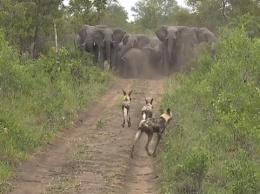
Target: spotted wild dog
{"x":126,"y":108}
{"x":151,"y":126}
{"x":147,"y":110}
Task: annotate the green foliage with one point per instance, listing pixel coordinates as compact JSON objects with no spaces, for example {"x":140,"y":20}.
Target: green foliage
{"x":215,"y":13}
{"x":152,"y":13}
{"x":26,"y":22}
{"x":213,"y":146}
{"x":40,"y":97}
{"x":115,"y":15}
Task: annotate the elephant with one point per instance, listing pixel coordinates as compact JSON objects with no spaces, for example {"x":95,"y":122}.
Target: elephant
{"x":107,"y":40}
{"x":134,"y":63}
{"x":154,"y":41}
{"x":85,"y":41}
{"x":130,"y":41}
{"x":178,"y":42}
{"x":138,"y":41}
{"x":134,"y":41}
{"x":155,"y":57}
{"x":253,"y":31}
{"x":205,"y":35}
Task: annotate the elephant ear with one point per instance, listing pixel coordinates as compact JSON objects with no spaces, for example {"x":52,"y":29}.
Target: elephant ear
{"x":83,"y":31}
{"x":161,"y":33}
{"x":142,"y":40}
{"x":125,"y":39}
{"x":98,"y":37}
{"x":197,"y":32}
{"x":208,"y":36}
{"x":187,"y":36}
{"x":118,"y":35}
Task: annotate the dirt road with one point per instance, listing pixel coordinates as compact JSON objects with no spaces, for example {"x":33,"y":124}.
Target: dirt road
{"x":94,"y":156}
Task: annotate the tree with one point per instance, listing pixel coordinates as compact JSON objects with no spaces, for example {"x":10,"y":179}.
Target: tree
{"x":86,"y":11}
{"x":115,"y":15}
{"x":152,"y":13}
{"x":182,"y":17}
{"x":30,"y":19}
{"x":213,"y":13}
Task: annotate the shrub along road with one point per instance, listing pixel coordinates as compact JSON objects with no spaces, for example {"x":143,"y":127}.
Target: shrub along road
{"x":94,"y":155}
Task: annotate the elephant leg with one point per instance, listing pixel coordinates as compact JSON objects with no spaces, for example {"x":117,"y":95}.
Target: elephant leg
{"x":95,"y":52}
{"x":101,"y":58}
{"x":135,"y":69}
{"x":120,"y":68}
{"x":113,"y":60}
{"x":165,"y":62}
{"x":125,"y":69}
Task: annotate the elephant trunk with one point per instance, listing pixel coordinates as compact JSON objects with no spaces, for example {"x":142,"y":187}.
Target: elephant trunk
{"x":89,"y":44}
{"x":128,"y":46}
{"x":108,"y":49}
{"x":169,"y":47}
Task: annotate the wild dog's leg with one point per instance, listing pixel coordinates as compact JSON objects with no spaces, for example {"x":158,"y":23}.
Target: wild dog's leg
{"x":137,"y":137}
{"x":129,"y":122}
{"x":123,"y":125}
{"x":150,"y":136}
{"x":129,"y":119}
{"x":159,"y":136}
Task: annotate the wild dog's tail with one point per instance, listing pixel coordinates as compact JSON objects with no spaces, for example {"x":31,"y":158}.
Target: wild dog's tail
{"x":137,"y":135}
{"x":125,"y":111}
{"x":125,"y":108}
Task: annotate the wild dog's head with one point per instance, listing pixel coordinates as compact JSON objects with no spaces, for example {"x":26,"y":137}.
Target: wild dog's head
{"x":127,"y":97}
{"x":167,"y":115}
{"x":150,"y":104}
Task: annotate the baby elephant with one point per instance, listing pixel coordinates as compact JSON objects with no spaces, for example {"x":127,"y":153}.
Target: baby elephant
{"x":151,"y":126}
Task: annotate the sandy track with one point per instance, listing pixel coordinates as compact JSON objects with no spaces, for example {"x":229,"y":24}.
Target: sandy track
{"x":94,"y":156}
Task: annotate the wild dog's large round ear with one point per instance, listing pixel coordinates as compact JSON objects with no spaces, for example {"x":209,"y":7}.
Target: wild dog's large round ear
{"x":168,"y":111}
{"x":124,"y":92}
{"x":151,"y":102}
{"x":146,"y":101}
{"x":129,"y":94}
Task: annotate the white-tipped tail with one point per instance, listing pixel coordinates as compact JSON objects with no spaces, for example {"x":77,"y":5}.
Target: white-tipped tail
{"x":144,"y":115}
{"x":141,"y":122}
{"x":137,"y":136}
{"x":125,"y":113}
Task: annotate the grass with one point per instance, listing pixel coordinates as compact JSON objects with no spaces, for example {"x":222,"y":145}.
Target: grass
{"x":39,"y":98}
{"x":213,"y":143}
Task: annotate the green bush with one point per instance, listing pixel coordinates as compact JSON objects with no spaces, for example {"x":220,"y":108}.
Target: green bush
{"x":213,"y":146}
{"x":40,"y":97}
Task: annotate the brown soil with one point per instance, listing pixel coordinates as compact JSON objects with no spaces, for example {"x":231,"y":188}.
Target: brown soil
{"x":94,"y":156}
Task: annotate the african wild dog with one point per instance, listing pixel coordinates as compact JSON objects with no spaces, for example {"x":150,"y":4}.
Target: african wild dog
{"x":151,"y":126}
{"x":126,"y":108}
{"x":147,"y":110}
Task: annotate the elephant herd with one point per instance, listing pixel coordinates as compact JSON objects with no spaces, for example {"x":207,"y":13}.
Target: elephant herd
{"x":139,"y":54}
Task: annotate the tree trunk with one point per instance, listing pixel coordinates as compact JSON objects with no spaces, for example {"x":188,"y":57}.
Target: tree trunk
{"x":35,"y":38}
{"x":55,"y":37}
